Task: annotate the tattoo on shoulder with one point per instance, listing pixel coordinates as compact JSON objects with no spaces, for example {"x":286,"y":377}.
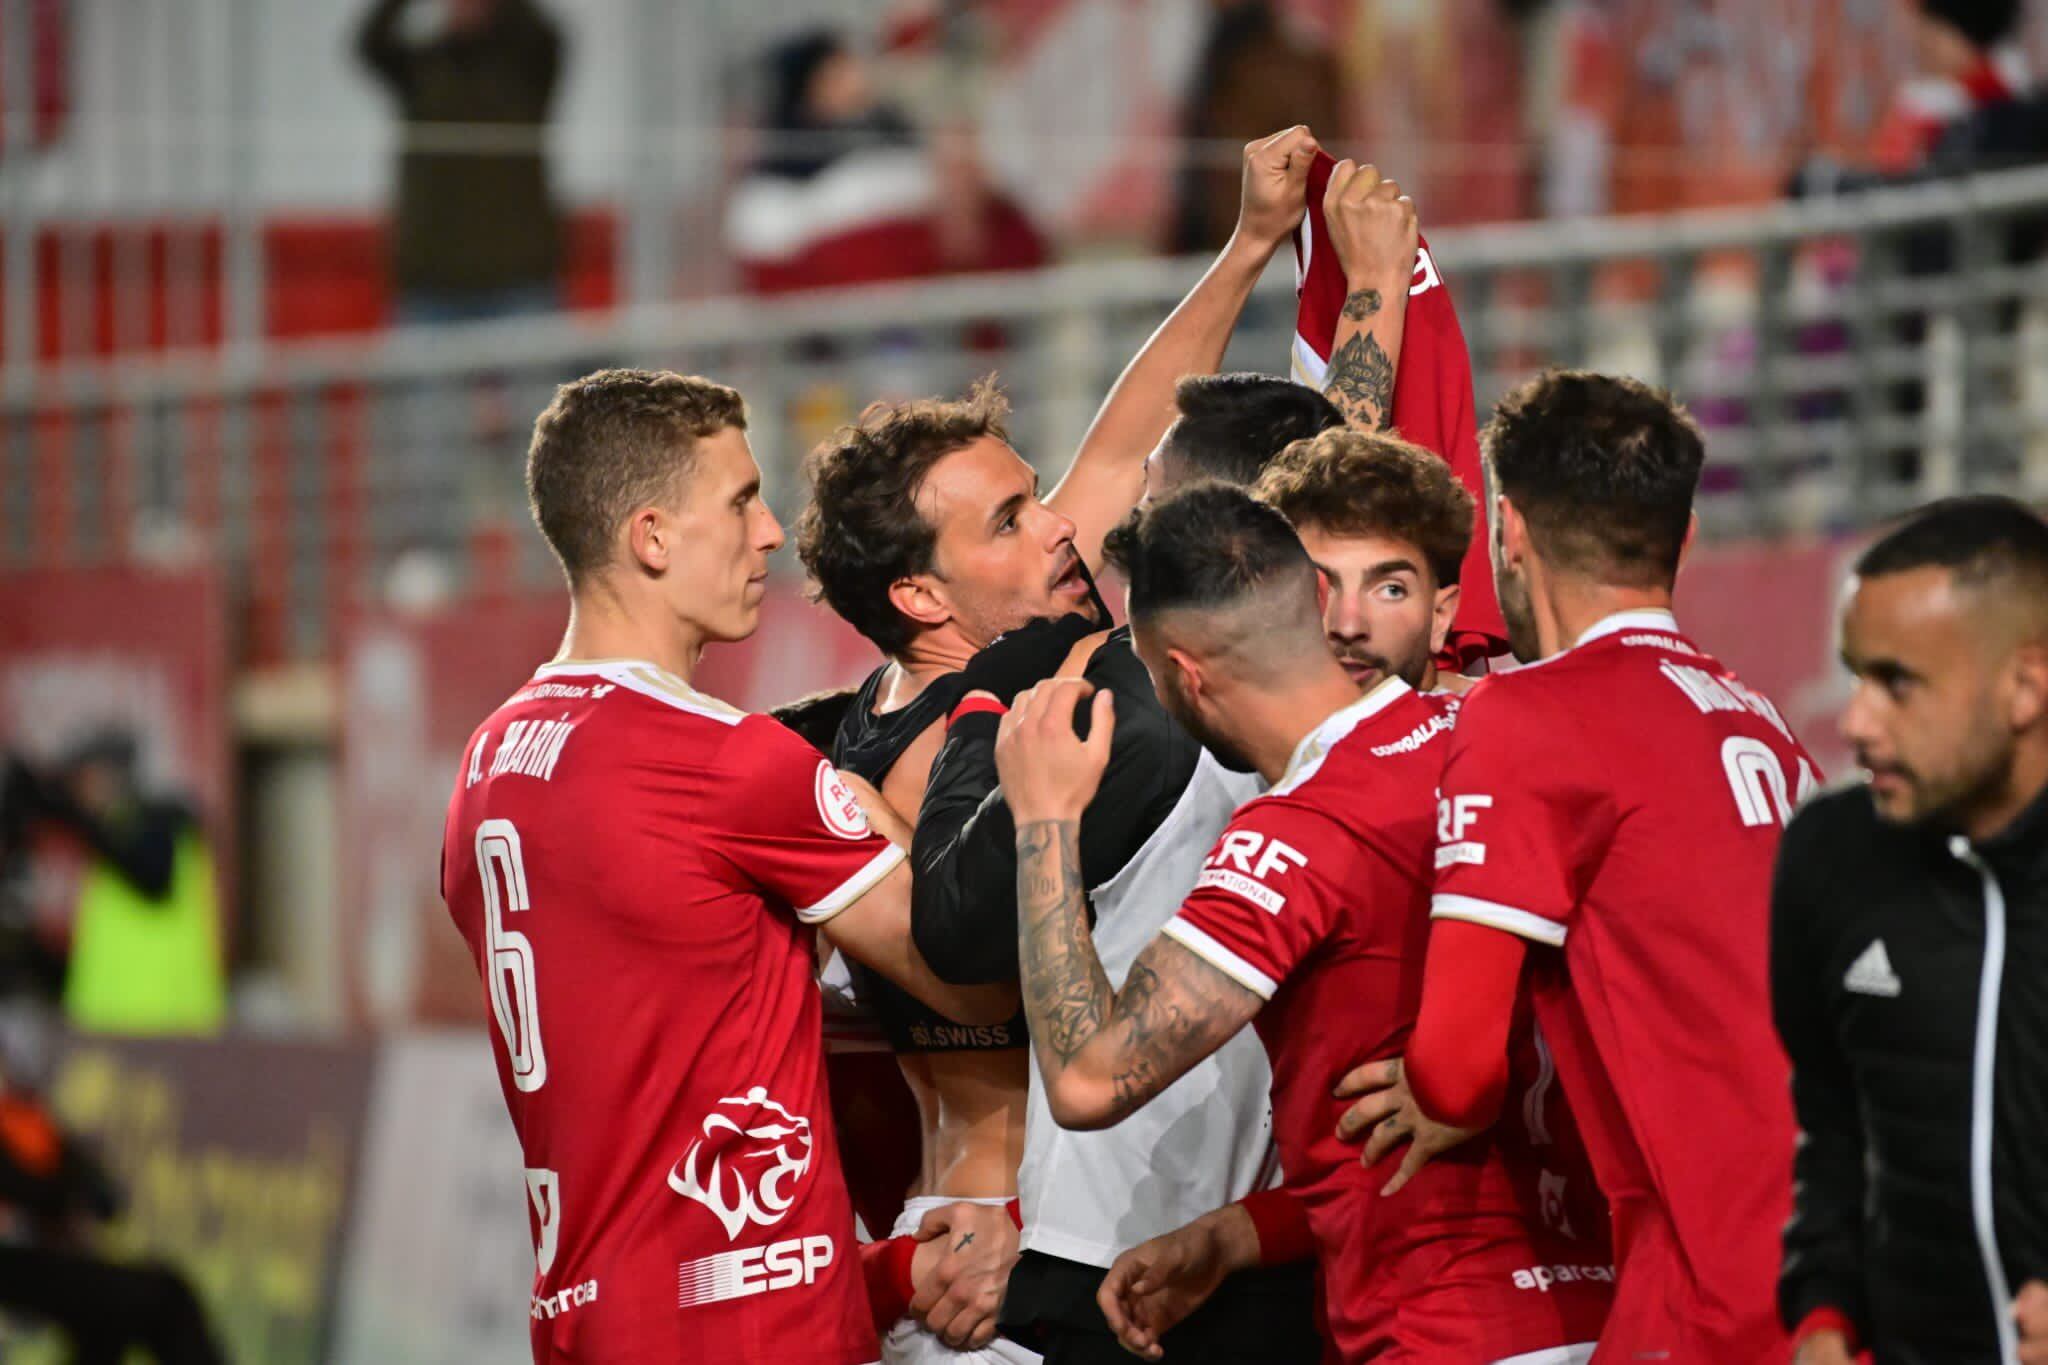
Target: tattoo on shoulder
{"x":1362,"y":304}
{"x":1361,"y":382}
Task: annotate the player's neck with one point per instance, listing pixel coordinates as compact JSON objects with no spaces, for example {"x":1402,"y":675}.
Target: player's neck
{"x":2022,"y":787}
{"x":1572,"y":606}
{"x":932,"y":654}
{"x":603,"y":627}
{"x":1274,"y":722}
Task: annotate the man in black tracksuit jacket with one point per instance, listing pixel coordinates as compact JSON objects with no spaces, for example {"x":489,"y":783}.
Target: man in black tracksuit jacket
{"x":1909,"y":967}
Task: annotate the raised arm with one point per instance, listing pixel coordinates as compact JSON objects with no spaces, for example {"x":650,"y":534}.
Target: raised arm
{"x":1373,"y":228}
{"x":1108,"y":473}
{"x":1101,"y":1053}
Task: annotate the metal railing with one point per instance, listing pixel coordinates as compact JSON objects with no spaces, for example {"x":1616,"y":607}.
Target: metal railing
{"x":1849,"y":358}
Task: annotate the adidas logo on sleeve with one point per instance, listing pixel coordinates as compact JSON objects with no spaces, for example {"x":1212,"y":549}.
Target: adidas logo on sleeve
{"x":1871,"y":973}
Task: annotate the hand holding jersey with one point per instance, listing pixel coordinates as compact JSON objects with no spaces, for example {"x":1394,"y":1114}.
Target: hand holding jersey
{"x":964,"y":1258}
{"x":1373,"y":227}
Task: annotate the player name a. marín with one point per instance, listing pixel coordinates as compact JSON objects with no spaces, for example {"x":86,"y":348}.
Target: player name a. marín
{"x":531,"y":748}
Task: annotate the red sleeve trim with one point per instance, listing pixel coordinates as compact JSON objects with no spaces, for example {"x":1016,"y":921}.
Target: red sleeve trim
{"x":1015,"y":1208}
{"x":1826,"y":1319}
{"x":1281,"y":1221}
{"x":885,"y":1267}
{"x":974,"y":706}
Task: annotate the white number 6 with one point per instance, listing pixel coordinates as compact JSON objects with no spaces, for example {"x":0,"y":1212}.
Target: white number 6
{"x":510,"y":972}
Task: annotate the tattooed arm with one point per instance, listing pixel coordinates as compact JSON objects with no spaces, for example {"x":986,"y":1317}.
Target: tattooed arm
{"x":1373,"y":227}
{"x":1102,"y":1053}
{"x":1105,"y":1053}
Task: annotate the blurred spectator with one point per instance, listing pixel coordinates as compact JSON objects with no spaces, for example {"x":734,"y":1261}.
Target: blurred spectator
{"x":1967,"y":62}
{"x":50,"y":1186}
{"x":1255,"y":74}
{"x":476,"y":235}
{"x":846,"y":192}
{"x":145,"y":940}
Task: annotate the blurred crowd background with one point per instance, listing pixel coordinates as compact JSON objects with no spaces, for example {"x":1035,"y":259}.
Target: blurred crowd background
{"x":283,"y":284}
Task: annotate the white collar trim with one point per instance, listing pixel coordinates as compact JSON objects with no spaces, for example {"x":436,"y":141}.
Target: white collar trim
{"x":1326,"y":736}
{"x":1649,"y":618}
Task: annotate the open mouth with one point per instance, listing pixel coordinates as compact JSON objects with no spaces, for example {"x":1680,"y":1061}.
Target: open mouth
{"x":1068,"y":577}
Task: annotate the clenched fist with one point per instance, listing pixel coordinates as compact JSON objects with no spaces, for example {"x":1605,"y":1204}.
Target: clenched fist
{"x":1373,"y":226}
{"x":1275,"y":192}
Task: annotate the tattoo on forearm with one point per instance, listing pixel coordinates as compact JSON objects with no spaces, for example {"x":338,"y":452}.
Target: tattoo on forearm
{"x":1155,"y":1028}
{"x":1361,"y":304}
{"x":1066,"y":996}
{"x":1361,"y":382}
{"x":961,"y":1245}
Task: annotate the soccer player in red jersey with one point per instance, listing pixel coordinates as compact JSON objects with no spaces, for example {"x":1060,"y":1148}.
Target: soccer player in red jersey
{"x":640,"y":871}
{"x":1618,"y":804}
{"x":1309,"y":919}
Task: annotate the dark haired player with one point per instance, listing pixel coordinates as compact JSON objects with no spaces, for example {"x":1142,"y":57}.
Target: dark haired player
{"x":1909,"y":961}
{"x":1309,"y":917}
{"x":926,"y":532}
{"x":1617,"y":805}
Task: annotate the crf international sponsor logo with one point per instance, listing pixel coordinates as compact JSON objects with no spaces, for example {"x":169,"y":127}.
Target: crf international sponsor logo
{"x":748,"y":1162}
{"x":747,"y":1167}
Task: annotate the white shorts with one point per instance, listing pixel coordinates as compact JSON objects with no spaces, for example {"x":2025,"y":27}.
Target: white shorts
{"x":1556,"y":1355}
{"x":908,"y":1343}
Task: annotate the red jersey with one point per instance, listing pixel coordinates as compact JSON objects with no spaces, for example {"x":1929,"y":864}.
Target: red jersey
{"x":1316,"y":898}
{"x":636,"y":868}
{"x":1623,"y":801}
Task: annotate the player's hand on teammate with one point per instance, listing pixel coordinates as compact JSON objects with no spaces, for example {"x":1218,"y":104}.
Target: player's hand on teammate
{"x":2030,"y":1311}
{"x":1275,"y":194}
{"x":1048,"y":771}
{"x":960,"y":1270}
{"x":1372,"y":225}
{"x":1030,"y":654}
{"x":1388,"y":1111}
{"x":1153,"y":1287}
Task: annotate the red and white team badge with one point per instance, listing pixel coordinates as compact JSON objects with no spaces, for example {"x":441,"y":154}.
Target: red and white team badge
{"x":747,"y":1168}
{"x":838,"y":806}
{"x":746,"y":1165}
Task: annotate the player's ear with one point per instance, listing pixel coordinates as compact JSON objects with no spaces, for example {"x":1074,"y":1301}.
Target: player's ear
{"x":1187,"y":672}
{"x":1441,"y":616}
{"x":651,"y":539}
{"x":2027,"y":707}
{"x":1510,"y":533}
{"x":922,"y":599}
{"x":1692,"y":533}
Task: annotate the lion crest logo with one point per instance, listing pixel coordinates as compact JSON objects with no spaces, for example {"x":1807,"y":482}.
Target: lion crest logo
{"x":748,"y":1162}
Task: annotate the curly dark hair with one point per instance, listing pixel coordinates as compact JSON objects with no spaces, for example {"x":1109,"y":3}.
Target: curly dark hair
{"x":1356,"y":483}
{"x":1602,"y":468}
{"x":863,"y":530}
{"x":611,"y":442}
